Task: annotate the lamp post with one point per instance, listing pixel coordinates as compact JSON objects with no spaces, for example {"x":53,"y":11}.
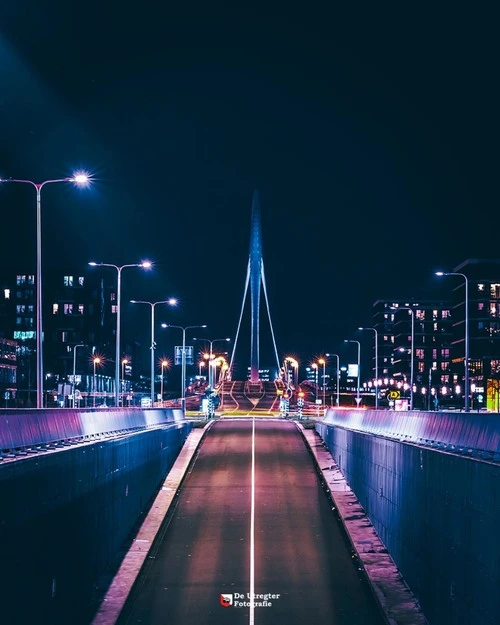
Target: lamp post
{"x":374,"y":330}
{"x":96,"y":360}
{"x":124,"y":362}
{"x":412,"y":313}
{"x":338,"y":376}
{"x":359,"y":367}
{"x":183,"y":362}
{"x":466,"y":355}
{"x":164,"y":363}
{"x":74,"y":370}
{"x":171,"y":302}
{"x":80,"y":179}
{"x":119,"y":268}
{"x":210,"y":377}
{"x":322,"y":361}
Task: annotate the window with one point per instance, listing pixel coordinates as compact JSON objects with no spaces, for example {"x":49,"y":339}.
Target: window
{"x":114,"y":309}
{"x":31,"y":280}
{"x":55,"y":309}
{"x":480,"y":287}
{"x":6,"y":293}
{"x":494,"y":309}
{"x":434,"y":354}
{"x":112,"y":297}
{"x":480,"y":305}
{"x":419,"y":352}
{"x":81,"y":280}
{"x":20,"y":308}
{"x":19,"y":321}
{"x":64,"y":337}
{"x":31,"y":309}
{"x":445,"y":366}
{"x":445,"y":314}
{"x":419,"y":314}
{"x":445,"y":353}
{"x":20,"y":279}
{"x":80,"y":309}
{"x":435,"y":327}
{"x":68,"y":280}
{"x":495,"y":290}
{"x":495,"y":366}
{"x":68,"y":309}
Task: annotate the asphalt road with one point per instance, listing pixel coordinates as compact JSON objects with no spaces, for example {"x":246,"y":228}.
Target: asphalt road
{"x":251,"y":517}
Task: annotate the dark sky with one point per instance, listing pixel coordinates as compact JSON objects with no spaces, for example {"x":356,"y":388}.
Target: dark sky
{"x":370,"y":130}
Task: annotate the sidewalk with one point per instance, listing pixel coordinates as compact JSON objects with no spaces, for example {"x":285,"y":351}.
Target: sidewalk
{"x":396,"y":599}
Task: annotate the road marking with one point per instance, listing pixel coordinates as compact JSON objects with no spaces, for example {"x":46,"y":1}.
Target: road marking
{"x":252,"y":531}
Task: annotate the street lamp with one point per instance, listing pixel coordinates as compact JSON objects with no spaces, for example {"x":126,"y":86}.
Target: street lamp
{"x":171,"y":302}
{"x":97,"y":361}
{"x":374,"y":330}
{"x":145,"y":265}
{"x":338,"y":375}
{"x":183,"y":363}
{"x":412,"y":312}
{"x":359,"y":367}
{"x":125,"y":361}
{"x":164,"y":364}
{"x":74,"y":370}
{"x":322,"y":361}
{"x":466,"y":355}
{"x":210,"y":357}
{"x":80,"y":179}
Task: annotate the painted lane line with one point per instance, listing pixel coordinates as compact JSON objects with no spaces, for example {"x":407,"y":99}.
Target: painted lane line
{"x":252,"y":531}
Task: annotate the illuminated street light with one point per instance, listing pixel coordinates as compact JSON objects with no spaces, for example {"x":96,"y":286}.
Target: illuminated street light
{"x":466,"y":354}
{"x":322,"y":361}
{"x":171,"y":302}
{"x":210,"y":356}
{"x":358,"y":399}
{"x":146,"y":264}
{"x":412,"y":312}
{"x":338,"y":375}
{"x":80,"y":179}
{"x":183,"y":363}
{"x":97,"y":361}
{"x":376,"y":363}
{"x":164,"y":364}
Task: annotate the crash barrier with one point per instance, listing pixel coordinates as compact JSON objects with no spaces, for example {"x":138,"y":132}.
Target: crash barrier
{"x":23,"y":431}
{"x":436,"y":513}
{"x":470,"y":433}
{"x":67,"y":519}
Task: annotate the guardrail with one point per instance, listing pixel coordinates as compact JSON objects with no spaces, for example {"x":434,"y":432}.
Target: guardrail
{"x":34,"y":430}
{"x":463,"y":432}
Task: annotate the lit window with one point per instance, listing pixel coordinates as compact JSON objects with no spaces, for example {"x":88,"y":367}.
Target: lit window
{"x":64,"y":337}
{"x":420,"y":314}
{"x":445,"y":353}
{"x":68,"y":309}
{"x":480,"y":305}
{"x":480,"y":287}
{"x":81,"y":280}
{"x":80,"y":309}
{"x":19,"y":321}
{"x":20,"y":308}
{"x":495,"y":290}
{"x":435,"y":327}
{"x":6,"y":293}
{"x":55,"y":309}
{"x":31,"y":279}
{"x":114,"y":309}
{"x":434,"y":354}
{"x":20,"y":279}
{"x":112,"y":297}
{"x":68,"y":280}
{"x":445,"y":366}
{"x":493,"y":309}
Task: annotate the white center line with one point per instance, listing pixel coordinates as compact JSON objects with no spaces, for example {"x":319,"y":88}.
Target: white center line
{"x":252,"y":531}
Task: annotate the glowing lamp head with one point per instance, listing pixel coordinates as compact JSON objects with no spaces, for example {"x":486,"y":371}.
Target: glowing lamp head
{"x":439,"y":273}
{"x":146,"y":264}
{"x":172,"y":301}
{"x":81,"y":178}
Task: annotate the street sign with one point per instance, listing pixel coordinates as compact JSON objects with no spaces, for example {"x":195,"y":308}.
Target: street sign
{"x":394,"y":394}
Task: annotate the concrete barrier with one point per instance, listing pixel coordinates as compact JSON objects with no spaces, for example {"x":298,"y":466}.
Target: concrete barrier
{"x":28,"y":429}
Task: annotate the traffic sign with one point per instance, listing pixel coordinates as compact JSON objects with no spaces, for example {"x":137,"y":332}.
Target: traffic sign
{"x":394,"y":394}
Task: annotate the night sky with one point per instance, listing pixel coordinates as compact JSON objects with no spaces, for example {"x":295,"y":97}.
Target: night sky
{"x":369,"y":129}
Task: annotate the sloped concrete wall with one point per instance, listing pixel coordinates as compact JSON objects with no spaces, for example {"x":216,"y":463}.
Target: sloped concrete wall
{"x":437,"y":513}
{"x":65,"y":516}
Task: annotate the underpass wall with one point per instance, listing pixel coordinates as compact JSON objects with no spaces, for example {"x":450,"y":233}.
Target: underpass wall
{"x":67,"y":515}
{"x":437,"y":513}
